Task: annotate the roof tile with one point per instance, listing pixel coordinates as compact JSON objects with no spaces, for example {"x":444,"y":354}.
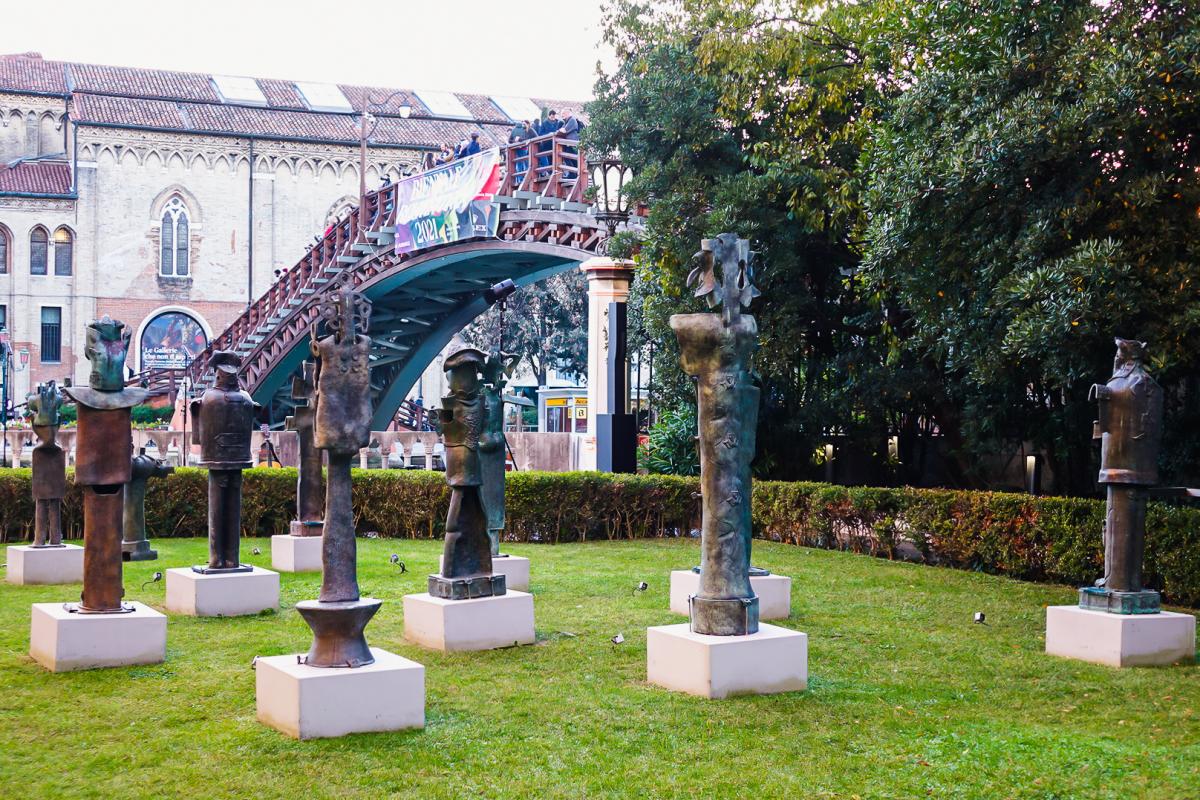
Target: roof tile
{"x":36,"y":177}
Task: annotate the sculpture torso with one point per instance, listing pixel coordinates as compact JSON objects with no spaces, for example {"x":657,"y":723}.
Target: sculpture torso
{"x":462,"y":425}
{"x":1131,"y":408}
{"x":224,"y":422}
{"x":343,"y":421}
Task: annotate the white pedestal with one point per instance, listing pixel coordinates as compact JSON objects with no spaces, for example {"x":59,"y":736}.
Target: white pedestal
{"x":230,"y":594}
{"x":768,"y":662}
{"x":60,"y":640}
{"x":319,"y":702}
{"x":515,"y":570}
{"x":483,"y":623}
{"x":296,"y":553}
{"x":29,"y":565}
{"x":1120,"y":640}
{"x":774,"y":593}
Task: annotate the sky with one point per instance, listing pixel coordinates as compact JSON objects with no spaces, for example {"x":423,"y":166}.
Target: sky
{"x":457,"y":45}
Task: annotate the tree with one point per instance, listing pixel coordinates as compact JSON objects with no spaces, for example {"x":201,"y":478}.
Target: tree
{"x":545,"y":324}
{"x":1033,"y":192}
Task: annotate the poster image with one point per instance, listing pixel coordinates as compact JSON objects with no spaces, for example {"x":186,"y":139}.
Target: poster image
{"x":448,"y":204}
{"x":171,"y":341}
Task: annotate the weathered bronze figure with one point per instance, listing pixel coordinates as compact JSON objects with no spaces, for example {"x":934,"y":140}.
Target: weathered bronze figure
{"x":134,"y":544}
{"x":716,"y":350}
{"x":342,"y":427}
{"x":492,"y":444}
{"x":309,"y":510}
{"x":467,"y":552}
{"x":1130,"y":429}
{"x":224,"y":420}
{"x":49,"y":466}
{"x":104,"y":463}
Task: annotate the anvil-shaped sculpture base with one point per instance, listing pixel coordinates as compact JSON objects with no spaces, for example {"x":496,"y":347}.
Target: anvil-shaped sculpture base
{"x":1100,"y":599}
{"x":138,"y":550}
{"x":338,"y":639}
{"x":468,"y":587}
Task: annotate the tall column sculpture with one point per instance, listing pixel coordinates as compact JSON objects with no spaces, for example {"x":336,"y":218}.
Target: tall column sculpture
{"x":135,"y":546}
{"x":49,"y":466}
{"x":309,"y":506}
{"x":104,"y":463}
{"x":341,"y":428}
{"x":224,"y":420}
{"x":716,"y":350}
{"x":1130,"y":430}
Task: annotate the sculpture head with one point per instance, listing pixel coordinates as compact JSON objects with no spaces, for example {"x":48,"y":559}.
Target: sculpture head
{"x":734,"y":287}
{"x":499,"y":367}
{"x":107,"y":346}
{"x":225,"y":365}
{"x":463,"y":366}
{"x":346,"y":312}
{"x":1130,"y":354}
{"x":304,"y":386}
{"x":43,"y":404}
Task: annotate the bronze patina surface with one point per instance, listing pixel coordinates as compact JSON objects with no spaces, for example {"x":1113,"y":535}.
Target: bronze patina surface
{"x":135,"y":546}
{"x":1130,"y":430}
{"x":309,"y":506}
{"x":224,"y":417}
{"x":492,"y":444}
{"x":104,"y":463}
{"x":49,"y":466}
{"x":467,"y":551}
{"x":342,"y":427}
{"x":716,"y":350}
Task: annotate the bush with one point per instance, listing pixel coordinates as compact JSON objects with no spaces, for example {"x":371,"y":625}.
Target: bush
{"x":1030,"y":538}
{"x":671,"y":444}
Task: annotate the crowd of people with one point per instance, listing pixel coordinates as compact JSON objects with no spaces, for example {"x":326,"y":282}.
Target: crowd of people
{"x":569,"y":127}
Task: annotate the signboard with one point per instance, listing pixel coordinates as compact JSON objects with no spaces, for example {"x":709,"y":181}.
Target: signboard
{"x":171,"y":341}
{"x":449,"y":203}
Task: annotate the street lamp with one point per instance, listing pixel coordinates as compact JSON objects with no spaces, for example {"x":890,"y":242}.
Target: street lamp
{"x":364,"y":134}
{"x":609,"y":177}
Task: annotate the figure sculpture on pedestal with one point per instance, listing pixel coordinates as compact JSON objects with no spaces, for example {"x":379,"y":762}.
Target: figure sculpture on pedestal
{"x":1130,"y":429}
{"x":309,"y":510}
{"x":492,"y":444}
{"x":49,"y":466}
{"x":135,"y":546}
{"x":467,"y":553}
{"x":716,"y":350}
{"x":224,"y":420}
{"x":104,"y":463}
{"x":342,"y":427}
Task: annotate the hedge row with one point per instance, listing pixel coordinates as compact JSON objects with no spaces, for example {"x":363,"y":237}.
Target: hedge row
{"x":1031,"y":538}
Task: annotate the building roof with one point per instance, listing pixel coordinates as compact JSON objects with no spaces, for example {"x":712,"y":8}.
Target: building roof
{"x":189,"y":102}
{"x":36,"y":177}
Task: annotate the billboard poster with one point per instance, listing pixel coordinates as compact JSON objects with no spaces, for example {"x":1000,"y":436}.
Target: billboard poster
{"x":171,"y":341}
{"x":449,"y":203}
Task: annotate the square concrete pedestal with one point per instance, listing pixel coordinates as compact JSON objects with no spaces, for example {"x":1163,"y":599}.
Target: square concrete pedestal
{"x":774,"y":593}
{"x":1120,"y":640}
{"x":317,"y":702}
{"x":768,"y":662}
{"x":42,"y":565}
{"x":483,"y":623}
{"x":61,"y":640}
{"x":515,"y":570}
{"x":229,"y":594}
{"x":296,"y":553}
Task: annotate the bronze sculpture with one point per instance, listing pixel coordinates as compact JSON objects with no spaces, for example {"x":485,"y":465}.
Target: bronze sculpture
{"x":224,"y":420}
{"x":1130,"y":429}
{"x":134,"y":544}
{"x":49,"y":466}
{"x":715,"y":349}
{"x":104,"y":463}
{"x":492,"y":444}
{"x":467,"y":551}
{"x":342,"y":426}
{"x":309,"y":510}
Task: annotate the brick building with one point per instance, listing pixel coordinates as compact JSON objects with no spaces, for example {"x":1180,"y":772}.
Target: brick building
{"x":168,"y":200}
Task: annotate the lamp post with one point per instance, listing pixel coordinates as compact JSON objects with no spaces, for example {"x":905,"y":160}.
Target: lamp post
{"x":609,"y":177}
{"x":363,"y":135}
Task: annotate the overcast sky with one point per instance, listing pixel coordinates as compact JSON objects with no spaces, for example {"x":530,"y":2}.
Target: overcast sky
{"x":461,"y":45}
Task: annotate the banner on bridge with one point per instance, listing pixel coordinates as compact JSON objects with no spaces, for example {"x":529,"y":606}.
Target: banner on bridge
{"x":449,"y":203}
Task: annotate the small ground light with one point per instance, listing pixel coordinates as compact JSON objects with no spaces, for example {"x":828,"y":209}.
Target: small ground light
{"x":641,"y":587}
{"x":256,"y":551}
{"x":618,"y":639}
{"x":157,"y":577}
{"x":394,"y":558}
{"x":980,"y":618}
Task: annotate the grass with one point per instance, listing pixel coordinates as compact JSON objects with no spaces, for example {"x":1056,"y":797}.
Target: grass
{"x":907,"y":697}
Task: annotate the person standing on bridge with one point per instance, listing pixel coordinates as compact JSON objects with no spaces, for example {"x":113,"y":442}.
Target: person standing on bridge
{"x":472,"y":146}
{"x":522,"y":131}
{"x":550,"y":124}
{"x":570,"y":130}
{"x":428,"y":162}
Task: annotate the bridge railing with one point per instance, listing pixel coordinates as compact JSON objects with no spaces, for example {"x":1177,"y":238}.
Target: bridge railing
{"x":549,"y":166}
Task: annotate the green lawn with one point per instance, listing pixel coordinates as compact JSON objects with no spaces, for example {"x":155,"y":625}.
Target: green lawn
{"x":907,"y":697}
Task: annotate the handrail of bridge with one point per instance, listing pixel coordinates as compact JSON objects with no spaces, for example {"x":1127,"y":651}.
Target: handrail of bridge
{"x":549,"y":166}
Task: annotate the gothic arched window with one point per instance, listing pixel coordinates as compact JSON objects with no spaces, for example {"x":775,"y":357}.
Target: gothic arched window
{"x":39,"y":244}
{"x":4,"y":249}
{"x":175,"y":242}
{"x":64,"y":251}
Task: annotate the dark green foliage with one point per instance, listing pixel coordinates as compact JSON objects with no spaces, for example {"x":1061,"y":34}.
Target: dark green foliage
{"x":1030,"y":538}
{"x":670,"y":448}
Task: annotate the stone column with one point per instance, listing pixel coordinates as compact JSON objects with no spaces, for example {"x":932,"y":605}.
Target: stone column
{"x":608,"y":282}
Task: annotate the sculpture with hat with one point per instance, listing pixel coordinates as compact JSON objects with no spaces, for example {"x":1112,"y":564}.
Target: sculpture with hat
{"x":49,"y":465}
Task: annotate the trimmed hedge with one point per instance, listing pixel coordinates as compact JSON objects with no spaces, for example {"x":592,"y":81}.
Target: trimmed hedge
{"x":1031,"y":538}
